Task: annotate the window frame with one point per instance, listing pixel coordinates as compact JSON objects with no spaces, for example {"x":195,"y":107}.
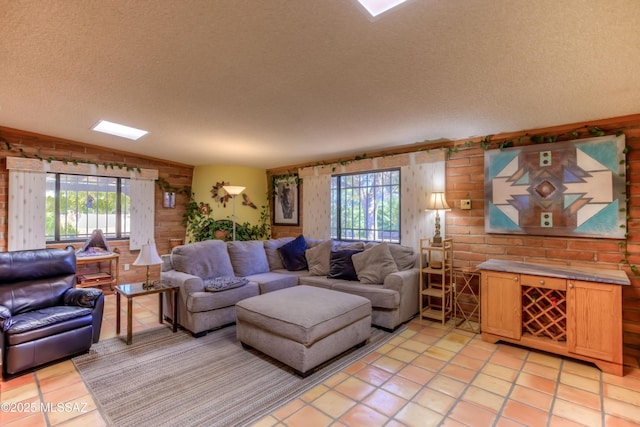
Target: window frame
{"x":337,"y":232}
{"x":120,"y":234}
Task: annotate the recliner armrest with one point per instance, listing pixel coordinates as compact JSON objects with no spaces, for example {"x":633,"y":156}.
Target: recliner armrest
{"x":5,"y":318}
{"x":81,"y":297}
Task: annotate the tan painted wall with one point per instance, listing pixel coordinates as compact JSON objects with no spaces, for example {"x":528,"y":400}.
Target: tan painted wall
{"x":254,"y":179}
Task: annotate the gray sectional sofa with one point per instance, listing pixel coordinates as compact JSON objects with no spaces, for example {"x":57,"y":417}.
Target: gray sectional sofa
{"x":208,"y":275}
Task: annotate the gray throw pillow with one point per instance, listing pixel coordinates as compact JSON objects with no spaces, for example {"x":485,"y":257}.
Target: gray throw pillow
{"x":206,"y":259}
{"x":248,"y":257}
{"x":404,"y":256}
{"x":373,"y":265}
{"x":318,"y":258}
{"x":223,"y":283}
{"x":271,"y":250}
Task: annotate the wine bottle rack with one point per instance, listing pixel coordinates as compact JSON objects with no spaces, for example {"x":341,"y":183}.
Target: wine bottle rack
{"x":544,"y":312}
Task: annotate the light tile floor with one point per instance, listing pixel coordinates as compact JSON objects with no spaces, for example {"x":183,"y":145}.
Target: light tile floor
{"x":428,"y":375}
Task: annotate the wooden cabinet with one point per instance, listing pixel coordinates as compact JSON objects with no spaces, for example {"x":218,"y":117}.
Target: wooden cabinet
{"x":436,"y":280}
{"x":562,"y":315}
{"x":594,"y":321}
{"x":500,"y":304}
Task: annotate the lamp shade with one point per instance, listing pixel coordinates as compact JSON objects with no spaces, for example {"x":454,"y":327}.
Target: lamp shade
{"x":148,"y":255}
{"x":437,"y":202}
{"x":233,"y":190}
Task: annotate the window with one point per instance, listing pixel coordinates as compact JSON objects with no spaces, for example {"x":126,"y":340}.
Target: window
{"x":366,"y":206}
{"x":78,"y":204}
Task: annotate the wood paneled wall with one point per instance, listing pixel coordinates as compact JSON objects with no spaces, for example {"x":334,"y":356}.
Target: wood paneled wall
{"x":167,"y":221}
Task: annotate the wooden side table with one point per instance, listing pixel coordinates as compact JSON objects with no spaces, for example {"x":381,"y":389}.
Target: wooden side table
{"x":467,"y":275}
{"x":130,"y":291}
{"x":111,"y":279}
{"x":436,"y":280}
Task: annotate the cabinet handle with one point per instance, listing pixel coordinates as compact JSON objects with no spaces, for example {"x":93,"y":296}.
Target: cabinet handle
{"x":542,"y":282}
{"x":570,"y":285}
{"x":515,"y":278}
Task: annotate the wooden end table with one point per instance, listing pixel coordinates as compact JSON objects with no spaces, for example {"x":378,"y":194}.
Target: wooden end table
{"x":130,"y":291}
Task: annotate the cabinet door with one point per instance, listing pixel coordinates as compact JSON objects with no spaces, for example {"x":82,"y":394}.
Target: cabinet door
{"x":594,"y":320}
{"x":501,"y":303}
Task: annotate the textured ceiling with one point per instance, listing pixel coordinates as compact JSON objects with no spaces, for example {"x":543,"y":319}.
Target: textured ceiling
{"x":271,"y":83}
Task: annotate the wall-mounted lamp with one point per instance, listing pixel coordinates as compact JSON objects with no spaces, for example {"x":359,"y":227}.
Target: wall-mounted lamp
{"x":233,"y":191}
{"x":437,"y":203}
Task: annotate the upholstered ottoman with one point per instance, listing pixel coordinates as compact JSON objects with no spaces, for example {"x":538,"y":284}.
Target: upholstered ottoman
{"x":303,"y":326}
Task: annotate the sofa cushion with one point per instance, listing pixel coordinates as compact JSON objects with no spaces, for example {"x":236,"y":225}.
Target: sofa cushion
{"x":312,"y":243}
{"x":218,"y":284}
{"x":292,"y":254}
{"x":206,"y":301}
{"x":374,"y":264}
{"x":270,"y":281}
{"x":47,"y":323}
{"x":341,"y":266}
{"x":339,"y":245}
{"x":319,"y":281}
{"x":271,"y":251}
{"x":248,"y":258}
{"x":207,"y":259}
{"x":379,"y":296}
{"x":46,"y":316}
{"x":404,"y":256}
{"x":318,"y":258}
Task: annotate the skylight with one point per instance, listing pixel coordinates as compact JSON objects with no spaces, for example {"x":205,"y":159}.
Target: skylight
{"x":376,"y":7}
{"x":119,"y":130}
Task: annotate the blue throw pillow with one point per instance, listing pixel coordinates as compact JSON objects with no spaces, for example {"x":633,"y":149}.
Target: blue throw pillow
{"x":292,"y":254}
{"x":341,"y":265}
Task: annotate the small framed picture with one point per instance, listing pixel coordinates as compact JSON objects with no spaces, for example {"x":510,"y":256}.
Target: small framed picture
{"x":285,"y":200}
{"x":169,"y":199}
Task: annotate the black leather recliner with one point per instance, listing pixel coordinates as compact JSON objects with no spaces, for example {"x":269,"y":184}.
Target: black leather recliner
{"x":43,"y":317}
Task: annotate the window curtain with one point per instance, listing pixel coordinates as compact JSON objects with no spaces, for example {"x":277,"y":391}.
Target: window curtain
{"x":316,"y":206}
{"x":421,"y":173}
{"x":142,"y":212}
{"x":26,"y":220}
{"x":27,"y":198}
{"x":419,"y":180}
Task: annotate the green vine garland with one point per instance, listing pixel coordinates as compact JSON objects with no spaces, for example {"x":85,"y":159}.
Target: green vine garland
{"x":487,"y":143}
{"x":8,"y":147}
{"x":166,"y":187}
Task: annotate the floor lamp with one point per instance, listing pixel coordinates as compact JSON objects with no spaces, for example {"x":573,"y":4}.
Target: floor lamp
{"x":233,"y":191}
{"x":437,"y":203}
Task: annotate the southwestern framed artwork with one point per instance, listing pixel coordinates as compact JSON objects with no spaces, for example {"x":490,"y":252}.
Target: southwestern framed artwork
{"x":573,"y":188}
{"x":286,"y":200}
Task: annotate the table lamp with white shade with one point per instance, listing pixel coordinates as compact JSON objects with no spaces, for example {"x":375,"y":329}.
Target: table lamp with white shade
{"x":148,"y":256}
{"x":437,"y":203}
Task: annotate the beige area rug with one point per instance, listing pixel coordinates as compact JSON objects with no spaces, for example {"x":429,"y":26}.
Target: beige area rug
{"x":167,"y":379}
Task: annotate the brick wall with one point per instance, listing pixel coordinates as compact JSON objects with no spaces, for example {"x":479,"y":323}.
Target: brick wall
{"x":465,"y":180}
{"x":167,"y":221}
